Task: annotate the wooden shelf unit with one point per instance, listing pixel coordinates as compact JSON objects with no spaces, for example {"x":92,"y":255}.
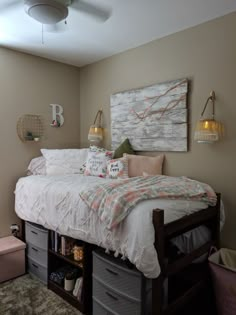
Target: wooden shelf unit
{"x":69,"y":297}
{"x":69,"y":259}
{"x":56,"y":260}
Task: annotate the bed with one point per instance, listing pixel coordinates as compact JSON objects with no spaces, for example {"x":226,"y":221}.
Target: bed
{"x":56,"y":203}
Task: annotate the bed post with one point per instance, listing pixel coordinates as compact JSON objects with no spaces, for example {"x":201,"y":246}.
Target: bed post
{"x":157,"y":284}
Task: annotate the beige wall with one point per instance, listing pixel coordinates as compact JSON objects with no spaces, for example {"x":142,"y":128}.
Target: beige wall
{"x":206,"y":55}
{"x":27,"y":86}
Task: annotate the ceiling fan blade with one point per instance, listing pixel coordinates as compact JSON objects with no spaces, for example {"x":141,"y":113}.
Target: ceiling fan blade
{"x":56,"y":28}
{"x":9,"y":5}
{"x":98,"y":12}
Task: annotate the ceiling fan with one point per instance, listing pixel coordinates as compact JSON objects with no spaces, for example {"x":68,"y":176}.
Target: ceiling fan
{"x":51,"y":12}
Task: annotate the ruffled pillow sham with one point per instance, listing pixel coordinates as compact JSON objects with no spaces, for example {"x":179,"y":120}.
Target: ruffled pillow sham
{"x":37,"y":166}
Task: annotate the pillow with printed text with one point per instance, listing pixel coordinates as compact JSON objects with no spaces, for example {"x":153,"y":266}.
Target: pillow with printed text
{"x":117,"y":168}
{"x":96,"y":163}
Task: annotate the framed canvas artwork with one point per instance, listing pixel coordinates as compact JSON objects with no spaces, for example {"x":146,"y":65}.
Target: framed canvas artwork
{"x":154,"y":118}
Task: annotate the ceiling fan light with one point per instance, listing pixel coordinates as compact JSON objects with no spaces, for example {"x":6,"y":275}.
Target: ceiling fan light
{"x":46,"y":12}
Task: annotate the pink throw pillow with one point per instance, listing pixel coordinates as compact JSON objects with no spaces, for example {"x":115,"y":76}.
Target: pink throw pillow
{"x":140,"y":164}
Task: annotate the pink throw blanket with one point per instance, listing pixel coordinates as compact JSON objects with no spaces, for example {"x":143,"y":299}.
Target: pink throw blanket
{"x":113,"y":201}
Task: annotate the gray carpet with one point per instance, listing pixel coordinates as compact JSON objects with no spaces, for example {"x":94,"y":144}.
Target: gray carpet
{"x":28,"y":296}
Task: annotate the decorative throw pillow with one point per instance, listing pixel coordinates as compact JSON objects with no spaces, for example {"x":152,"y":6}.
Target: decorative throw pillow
{"x":117,"y":168}
{"x":94,"y":148}
{"x":96,"y":164}
{"x":139,"y":165}
{"x":65,"y":161}
{"x":125,"y":147}
{"x":37,"y":166}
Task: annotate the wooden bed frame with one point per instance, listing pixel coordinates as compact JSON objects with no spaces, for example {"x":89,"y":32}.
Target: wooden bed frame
{"x":165,"y":232}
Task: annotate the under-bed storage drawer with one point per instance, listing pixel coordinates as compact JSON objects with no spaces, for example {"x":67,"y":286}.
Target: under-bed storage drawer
{"x":114,"y":300}
{"x":100,"y":309}
{"x":36,"y":235}
{"x":37,"y":269}
{"x":121,"y":278}
{"x":37,"y":254}
{"x":36,"y":238}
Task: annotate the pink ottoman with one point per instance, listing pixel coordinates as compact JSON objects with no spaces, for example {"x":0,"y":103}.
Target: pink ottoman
{"x":12,"y":258}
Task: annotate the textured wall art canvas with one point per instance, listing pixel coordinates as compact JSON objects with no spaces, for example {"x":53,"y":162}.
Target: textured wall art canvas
{"x":154,"y":118}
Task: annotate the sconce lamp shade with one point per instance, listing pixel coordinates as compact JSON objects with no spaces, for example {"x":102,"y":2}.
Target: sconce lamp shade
{"x":208,"y":130}
{"x":95,"y":134}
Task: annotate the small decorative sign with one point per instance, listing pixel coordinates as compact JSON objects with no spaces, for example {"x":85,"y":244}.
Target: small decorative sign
{"x":57,"y":117}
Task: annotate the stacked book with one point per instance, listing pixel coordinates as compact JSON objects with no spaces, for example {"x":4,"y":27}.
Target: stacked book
{"x":62,"y":244}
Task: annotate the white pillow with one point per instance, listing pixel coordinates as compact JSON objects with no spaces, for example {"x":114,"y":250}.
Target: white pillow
{"x":65,"y":161}
{"x":37,"y":166}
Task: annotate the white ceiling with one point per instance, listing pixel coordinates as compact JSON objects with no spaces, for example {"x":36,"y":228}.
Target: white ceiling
{"x":132,"y":23}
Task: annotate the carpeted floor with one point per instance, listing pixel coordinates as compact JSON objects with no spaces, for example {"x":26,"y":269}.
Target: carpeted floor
{"x":28,"y":296}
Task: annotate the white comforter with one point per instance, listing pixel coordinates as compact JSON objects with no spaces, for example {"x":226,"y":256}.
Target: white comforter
{"x":54,"y":202}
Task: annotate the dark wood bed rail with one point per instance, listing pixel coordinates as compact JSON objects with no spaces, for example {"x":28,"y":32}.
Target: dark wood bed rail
{"x":209,"y":217}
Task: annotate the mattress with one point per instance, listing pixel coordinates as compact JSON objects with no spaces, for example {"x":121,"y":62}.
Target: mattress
{"x":54,"y":202}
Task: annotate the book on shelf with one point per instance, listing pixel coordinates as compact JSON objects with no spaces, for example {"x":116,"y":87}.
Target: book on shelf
{"x":55,"y":241}
{"x":66,"y":246}
{"x":78,"y":288}
{"x":63,"y":245}
{"x":52,"y":240}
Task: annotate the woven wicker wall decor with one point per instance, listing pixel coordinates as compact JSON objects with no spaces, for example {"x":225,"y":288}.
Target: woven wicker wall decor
{"x":30,"y":128}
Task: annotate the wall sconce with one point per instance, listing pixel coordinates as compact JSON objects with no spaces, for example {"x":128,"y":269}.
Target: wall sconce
{"x":95,"y":134}
{"x":208,"y":130}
